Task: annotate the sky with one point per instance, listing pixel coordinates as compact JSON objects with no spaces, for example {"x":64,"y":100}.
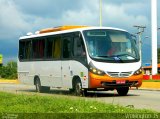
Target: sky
{"x":18,"y":17}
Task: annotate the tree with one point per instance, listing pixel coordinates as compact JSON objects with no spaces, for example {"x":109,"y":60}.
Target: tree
{"x":9,"y":71}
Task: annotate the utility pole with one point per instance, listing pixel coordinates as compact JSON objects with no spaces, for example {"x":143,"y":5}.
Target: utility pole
{"x":100,"y":13}
{"x":158,"y":50}
{"x":140,"y":31}
{"x":154,"y":36}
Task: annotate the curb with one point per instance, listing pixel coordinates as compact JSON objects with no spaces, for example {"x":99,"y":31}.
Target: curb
{"x":150,"y":85}
{"x":9,"y":81}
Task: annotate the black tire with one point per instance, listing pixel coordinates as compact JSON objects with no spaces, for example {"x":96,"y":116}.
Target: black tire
{"x":123,"y":91}
{"x":77,"y":88}
{"x":85,"y":93}
{"x":71,"y":90}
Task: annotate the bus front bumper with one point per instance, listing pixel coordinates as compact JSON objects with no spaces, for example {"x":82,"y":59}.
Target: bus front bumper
{"x":96,"y":81}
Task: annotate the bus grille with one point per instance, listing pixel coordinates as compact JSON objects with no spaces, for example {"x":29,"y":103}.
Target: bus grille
{"x":119,"y":74}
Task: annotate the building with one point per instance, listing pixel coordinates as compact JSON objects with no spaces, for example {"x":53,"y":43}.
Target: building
{"x":148,"y":69}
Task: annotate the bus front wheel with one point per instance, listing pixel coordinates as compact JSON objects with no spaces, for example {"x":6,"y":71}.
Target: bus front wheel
{"x":77,"y":88}
{"x":123,"y":91}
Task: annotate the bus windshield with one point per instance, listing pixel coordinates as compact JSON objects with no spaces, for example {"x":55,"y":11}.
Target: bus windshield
{"x":111,"y":46}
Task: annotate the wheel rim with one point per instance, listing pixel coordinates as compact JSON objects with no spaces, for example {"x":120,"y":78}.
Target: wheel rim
{"x":78,"y":89}
{"x":37,"y":86}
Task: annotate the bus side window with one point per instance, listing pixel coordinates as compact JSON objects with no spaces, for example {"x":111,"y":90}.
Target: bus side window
{"x":28,"y":48}
{"x":49,"y":47}
{"x":38,"y":48}
{"x":25,"y":49}
{"x":53,"y":47}
{"x":21,"y":50}
{"x":57,"y":48}
{"x":79,"y":48}
{"x":67,"y":47}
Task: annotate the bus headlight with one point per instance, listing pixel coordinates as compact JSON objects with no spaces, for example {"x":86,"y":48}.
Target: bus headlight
{"x":139,"y":71}
{"x":94,"y":70}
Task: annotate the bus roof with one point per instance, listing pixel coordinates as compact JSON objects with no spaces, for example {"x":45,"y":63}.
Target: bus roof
{"x":60,"y":28}
{"x":65,"y":29}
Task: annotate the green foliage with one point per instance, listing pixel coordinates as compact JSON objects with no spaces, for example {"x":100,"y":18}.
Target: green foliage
{"x":9,"y":71}
{"x":150,"y":80}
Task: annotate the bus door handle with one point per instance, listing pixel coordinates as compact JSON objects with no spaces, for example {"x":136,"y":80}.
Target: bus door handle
{"x":71,"y":72}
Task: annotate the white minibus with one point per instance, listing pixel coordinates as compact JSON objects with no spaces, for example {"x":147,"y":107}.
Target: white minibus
{"x":80,"y":58}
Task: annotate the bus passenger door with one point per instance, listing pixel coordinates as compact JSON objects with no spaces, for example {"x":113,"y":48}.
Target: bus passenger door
{"x":54,"y":69}
{"x":66,"y":57}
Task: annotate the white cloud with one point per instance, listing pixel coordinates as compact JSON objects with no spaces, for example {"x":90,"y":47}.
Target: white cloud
{"x":82,"y":17}
{"x":15,"y":21}
{"x":11,"y":20}
{"x":118,"y":16}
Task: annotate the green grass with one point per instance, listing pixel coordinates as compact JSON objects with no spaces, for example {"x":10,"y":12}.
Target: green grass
{"x":22,"y":103}
{"x":151,"y":80}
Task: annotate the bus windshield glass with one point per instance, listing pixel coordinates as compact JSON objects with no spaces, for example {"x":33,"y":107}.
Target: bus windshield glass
{"x":111,"y":46}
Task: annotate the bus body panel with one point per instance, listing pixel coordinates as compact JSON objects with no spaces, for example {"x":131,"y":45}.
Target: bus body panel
{"x":78,"y":69}
{"x":53,"y":73}
{"x":49,"y":72}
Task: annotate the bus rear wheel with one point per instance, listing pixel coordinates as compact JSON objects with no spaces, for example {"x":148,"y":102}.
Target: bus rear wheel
{"x":40,"y":88}
{"x":123,"y":91}
{"x":38,"y":85}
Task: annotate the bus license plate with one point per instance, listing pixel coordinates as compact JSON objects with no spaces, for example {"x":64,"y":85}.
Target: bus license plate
{"x":120,"y":82}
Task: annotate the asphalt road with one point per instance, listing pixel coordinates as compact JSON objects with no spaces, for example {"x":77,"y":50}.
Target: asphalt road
{"x":141,"y":99}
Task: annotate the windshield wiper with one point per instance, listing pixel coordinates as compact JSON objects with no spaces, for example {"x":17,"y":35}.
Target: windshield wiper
{"x":103,"y":56}
{"x":116,"y":58}
{"x":125,"y":55}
